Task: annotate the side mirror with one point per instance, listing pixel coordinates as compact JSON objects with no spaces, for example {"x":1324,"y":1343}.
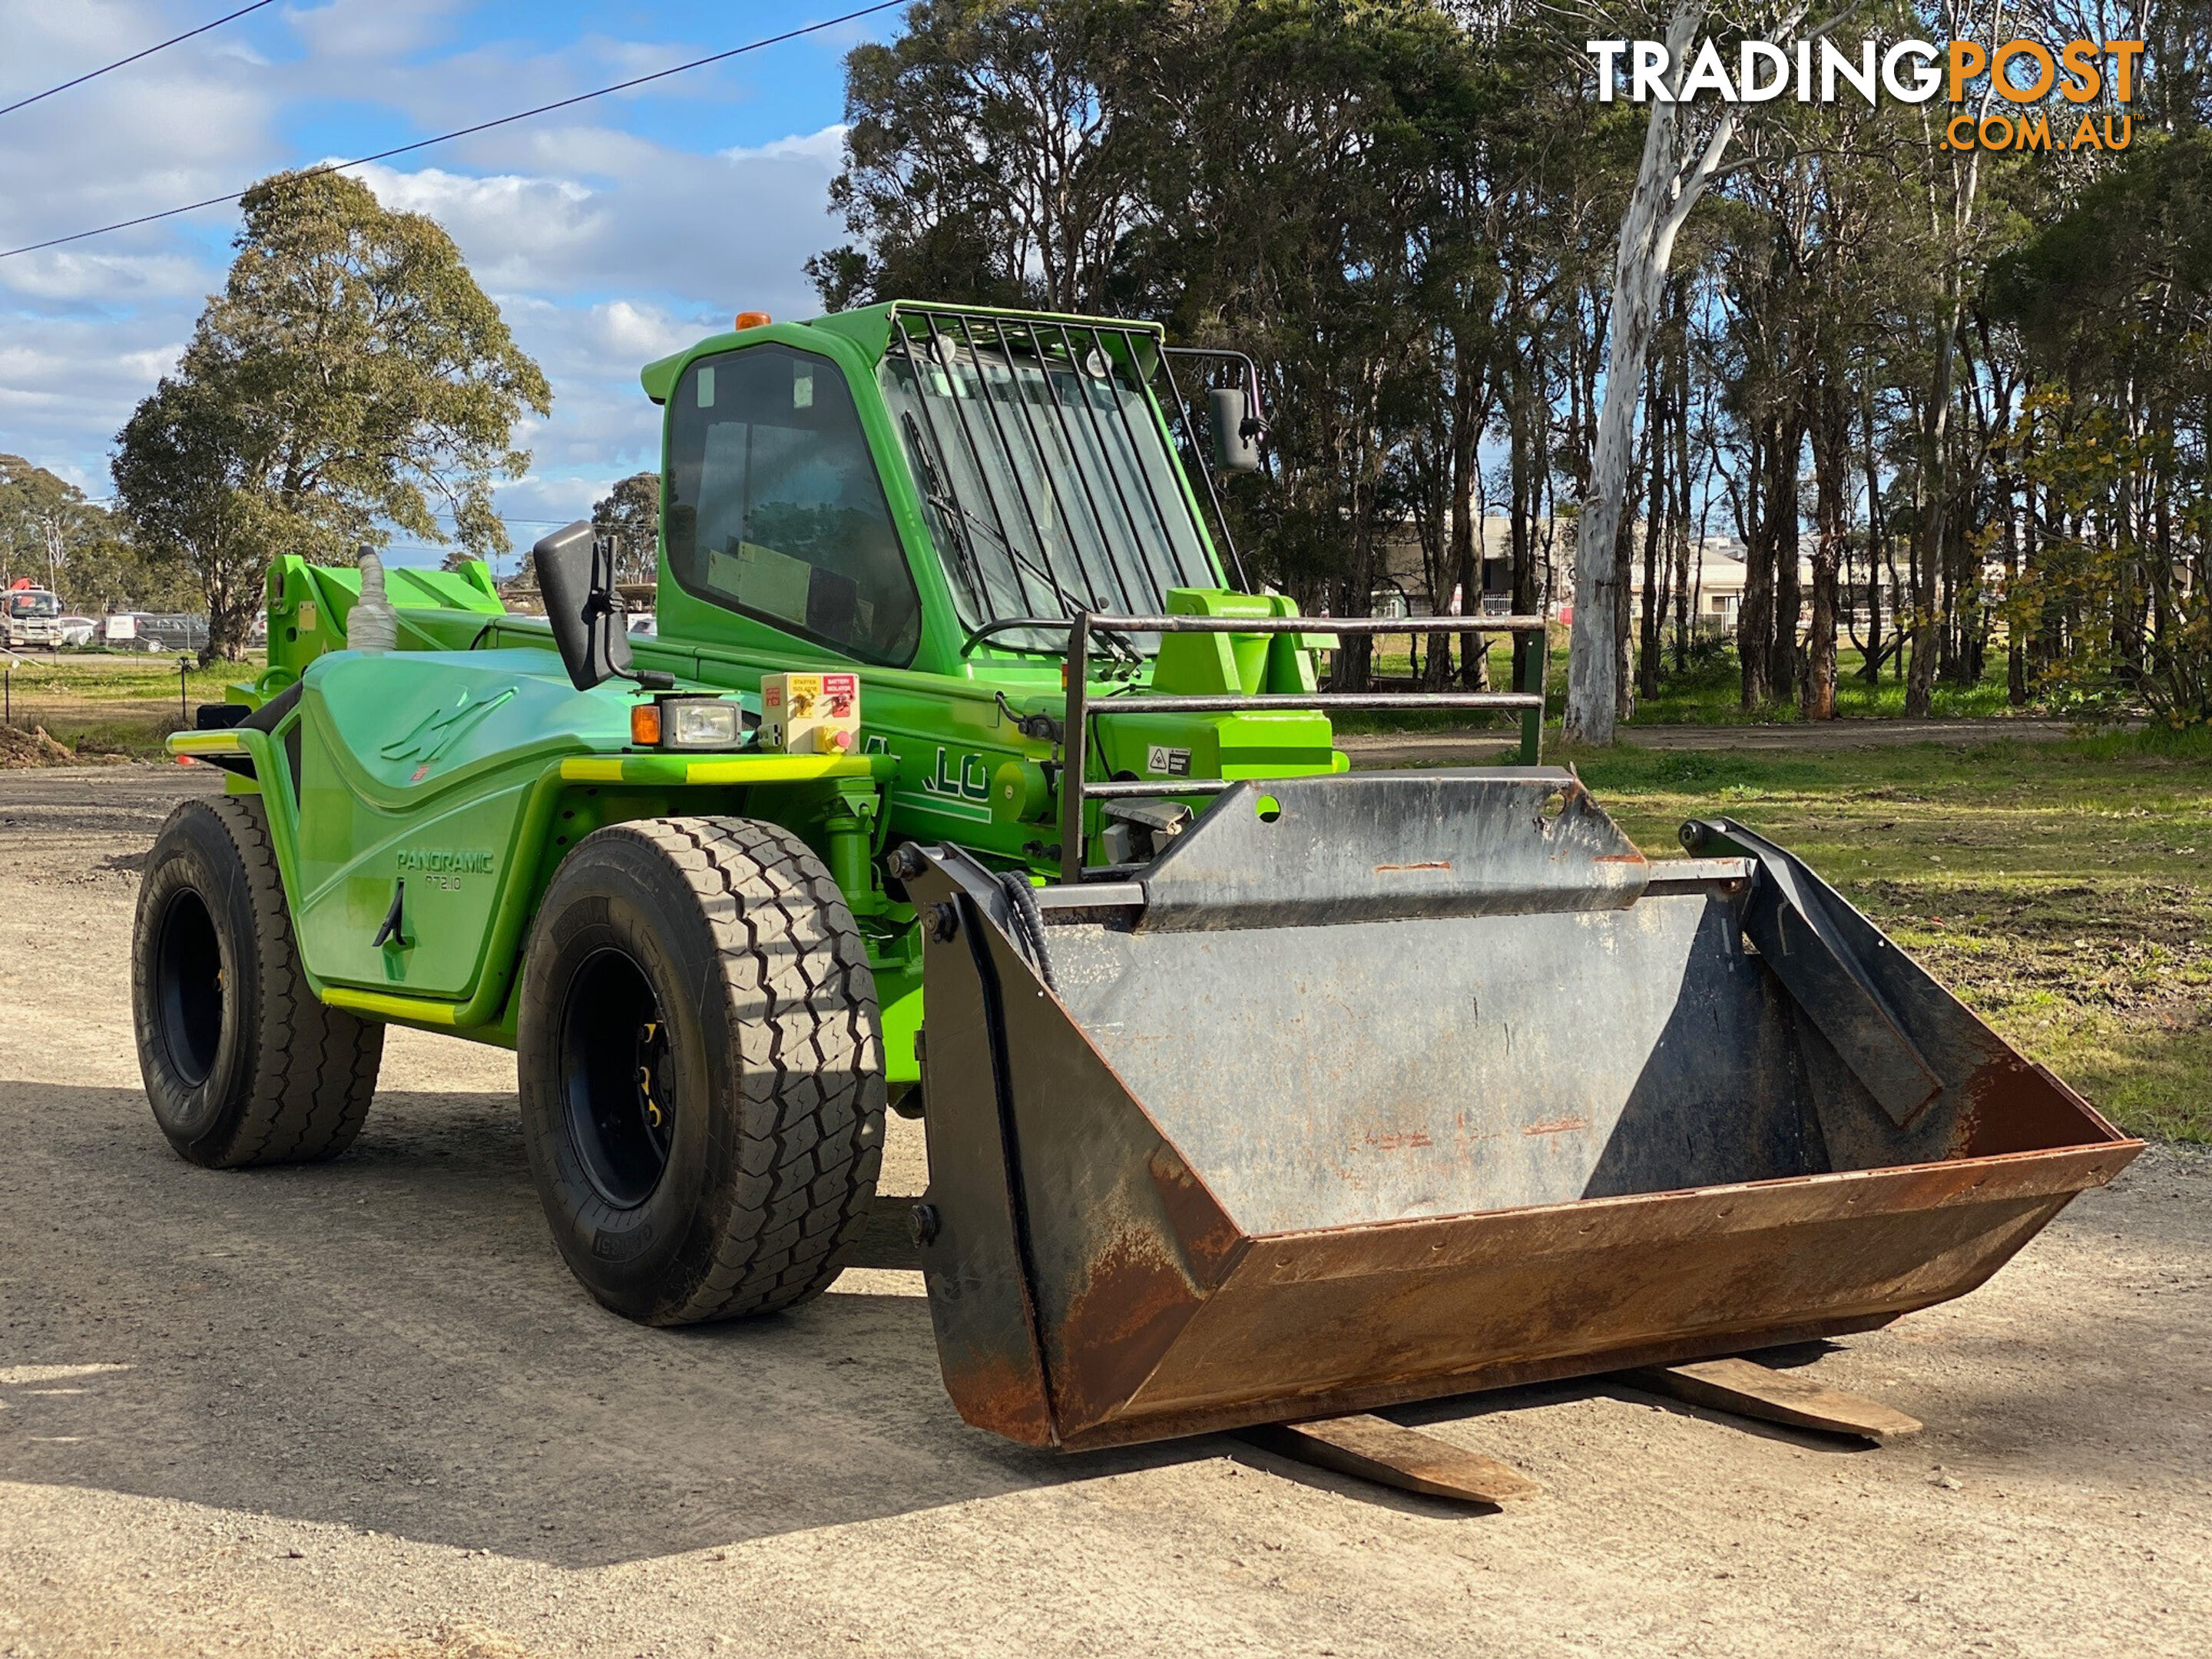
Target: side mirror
{"x":576,"y":575}
{"x":1237,"y":432}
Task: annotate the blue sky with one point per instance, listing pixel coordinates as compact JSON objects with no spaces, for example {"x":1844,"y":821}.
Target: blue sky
{"x":610,"y":234}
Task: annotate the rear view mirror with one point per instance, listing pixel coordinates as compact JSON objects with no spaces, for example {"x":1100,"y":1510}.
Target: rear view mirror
{"x":1236,"y":433}
{"x":576,"y":575}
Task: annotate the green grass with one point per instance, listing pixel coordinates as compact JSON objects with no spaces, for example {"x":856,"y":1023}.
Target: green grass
{"x":113,"y":704}
{"x":2060,"y":888}
{"x":1709,"y":692}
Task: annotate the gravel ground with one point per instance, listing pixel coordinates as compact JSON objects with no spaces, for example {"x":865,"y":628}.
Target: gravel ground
{"x":361,"y":1409}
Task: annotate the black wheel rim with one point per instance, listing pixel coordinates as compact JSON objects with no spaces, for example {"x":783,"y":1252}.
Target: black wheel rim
{"x":615,"y":1081}
{"x":188,"y":989}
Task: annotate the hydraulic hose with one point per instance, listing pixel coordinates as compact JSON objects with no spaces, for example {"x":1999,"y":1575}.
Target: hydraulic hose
{"x":1029,"y":922}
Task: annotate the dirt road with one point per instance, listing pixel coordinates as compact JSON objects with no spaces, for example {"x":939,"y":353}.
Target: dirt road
{"x":361,"y":1409}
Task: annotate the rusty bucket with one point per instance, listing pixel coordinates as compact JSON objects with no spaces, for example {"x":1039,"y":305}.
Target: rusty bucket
{"x":1377,"y":1088}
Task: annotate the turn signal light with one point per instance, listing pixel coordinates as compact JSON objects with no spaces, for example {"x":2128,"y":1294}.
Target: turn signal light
{"x":645,"y":725}
{"x":753,"y":319}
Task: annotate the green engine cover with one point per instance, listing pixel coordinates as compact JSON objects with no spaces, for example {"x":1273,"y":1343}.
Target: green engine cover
{"x":414,"y":770}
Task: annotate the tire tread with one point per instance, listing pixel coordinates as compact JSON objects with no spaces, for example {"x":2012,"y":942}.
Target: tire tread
{"x":803,"y":1007}
{"x":311,"y":1069}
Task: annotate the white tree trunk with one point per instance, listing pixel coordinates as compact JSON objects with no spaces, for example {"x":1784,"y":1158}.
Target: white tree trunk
{"x":1667,"y":186}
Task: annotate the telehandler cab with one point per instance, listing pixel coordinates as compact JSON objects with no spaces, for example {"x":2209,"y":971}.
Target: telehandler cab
{"x":1254,"y":1089}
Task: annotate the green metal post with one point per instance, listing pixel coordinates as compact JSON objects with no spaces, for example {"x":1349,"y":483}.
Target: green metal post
{"x":1534,"y":668}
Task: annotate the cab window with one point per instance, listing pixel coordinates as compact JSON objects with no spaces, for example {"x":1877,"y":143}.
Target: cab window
{"x":774,"y":508}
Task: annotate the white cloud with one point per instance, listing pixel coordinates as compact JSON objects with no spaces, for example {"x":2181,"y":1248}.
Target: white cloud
{"x":686,"y":241}
{"x":604,"y":248}
{"x":89,"y":273}
{"x":354,"y":31}
{"x":41,"y":35}
{"x":595,"y":211}
{"x":68,"y":384}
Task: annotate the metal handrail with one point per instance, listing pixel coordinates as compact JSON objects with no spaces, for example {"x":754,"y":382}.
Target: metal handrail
{"x":1317,"y":624}
{"x":1265,"y":625}
{"x":1255,"y":701}
{"x":1075,"y":743}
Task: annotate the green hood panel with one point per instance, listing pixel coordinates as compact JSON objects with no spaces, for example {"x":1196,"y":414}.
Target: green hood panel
{"x":407,"y":725}
{"x":415,"y":770}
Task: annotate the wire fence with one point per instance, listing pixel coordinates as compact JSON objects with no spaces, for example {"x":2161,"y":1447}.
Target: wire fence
{"x":107,"y":703}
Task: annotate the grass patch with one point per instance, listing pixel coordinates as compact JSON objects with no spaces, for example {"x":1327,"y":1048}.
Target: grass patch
{"x":1365,"y":722}
{"x":2059,"y":888}
{"x":112,"y":704}
{"x":1708,"y":692}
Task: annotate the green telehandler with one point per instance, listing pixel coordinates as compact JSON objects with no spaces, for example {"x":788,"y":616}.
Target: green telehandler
{"x":966,"y":775}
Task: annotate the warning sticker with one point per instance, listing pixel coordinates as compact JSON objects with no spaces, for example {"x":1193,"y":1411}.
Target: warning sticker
{"x":1169,"y":762}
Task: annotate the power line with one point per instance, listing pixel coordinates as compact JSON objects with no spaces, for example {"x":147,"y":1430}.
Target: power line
{"x":480,"y":126}
{"x":94,"y":74}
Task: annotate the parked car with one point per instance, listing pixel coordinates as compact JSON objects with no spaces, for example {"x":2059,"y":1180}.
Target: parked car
{"x":146,"y":630}
{"x":76,"y":630}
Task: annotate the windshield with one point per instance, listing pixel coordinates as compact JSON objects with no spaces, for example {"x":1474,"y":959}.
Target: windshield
{"x":33,"y":603}
{"x":1047,"y":487}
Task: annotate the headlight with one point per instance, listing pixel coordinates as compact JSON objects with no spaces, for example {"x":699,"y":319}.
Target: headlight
{"x":700,"y":726}
{"x":688,"y":722}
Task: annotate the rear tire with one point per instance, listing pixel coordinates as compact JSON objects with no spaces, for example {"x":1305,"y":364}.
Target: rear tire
{"x":243,"y":1064}
{"x":701,"y":1069}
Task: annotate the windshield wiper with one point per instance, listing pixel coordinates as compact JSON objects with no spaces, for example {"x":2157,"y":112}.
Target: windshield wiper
{"x":1071,"y":603}
{"x":932,"y":491}
{"x":961,"y":520}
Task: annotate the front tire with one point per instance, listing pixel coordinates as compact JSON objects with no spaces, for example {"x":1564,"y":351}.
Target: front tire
{"x":701,"y":1069}
{"x":243,"y":1064}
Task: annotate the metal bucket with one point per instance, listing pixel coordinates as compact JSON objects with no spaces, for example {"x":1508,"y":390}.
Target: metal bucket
{"x":1373,"y":1089}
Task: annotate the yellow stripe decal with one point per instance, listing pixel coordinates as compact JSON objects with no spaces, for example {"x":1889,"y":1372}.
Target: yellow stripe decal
{"x":592,"y":771}
{"x":777,"y":769}
{"x":667,"y":771}
{"x":206,"y":743}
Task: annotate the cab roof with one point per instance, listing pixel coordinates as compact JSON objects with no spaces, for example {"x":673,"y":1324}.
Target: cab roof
{"x":868,"y":327}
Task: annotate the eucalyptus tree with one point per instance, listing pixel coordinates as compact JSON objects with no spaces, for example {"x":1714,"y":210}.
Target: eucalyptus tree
{"x":630,"y":511}
{"x":1680,"y":159}
{"x":350,"y":378}
{"x":2112,"y":301}
{"x":992,"y":154}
